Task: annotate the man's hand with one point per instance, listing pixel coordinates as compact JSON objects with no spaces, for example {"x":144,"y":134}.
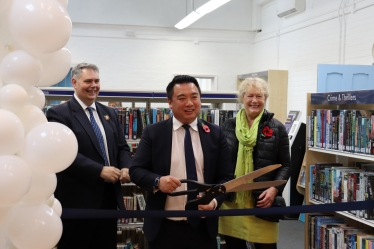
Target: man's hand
{"x":210,"y":206}
{"x":168,"y":184}
{"x":125,"y":177}
{"x":110,"y":173}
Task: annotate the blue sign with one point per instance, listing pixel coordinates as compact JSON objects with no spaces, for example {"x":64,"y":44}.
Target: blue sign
{"x":343,"y":98}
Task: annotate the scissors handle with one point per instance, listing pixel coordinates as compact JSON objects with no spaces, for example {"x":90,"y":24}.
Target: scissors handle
{"x":201,"y":187}
{"x":210,"y":194}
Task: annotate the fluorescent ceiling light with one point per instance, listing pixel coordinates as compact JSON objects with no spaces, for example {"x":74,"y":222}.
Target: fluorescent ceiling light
{"x":210,"y":6}
{"x":188,"y":20}
{"x":195,"y":15}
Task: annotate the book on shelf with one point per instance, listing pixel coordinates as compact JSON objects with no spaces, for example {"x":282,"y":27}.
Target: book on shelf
{"x":320,"y":220}
{"x":301,"y":180}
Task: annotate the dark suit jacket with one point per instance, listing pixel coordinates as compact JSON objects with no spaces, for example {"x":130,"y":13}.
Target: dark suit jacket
{"x":80,"y":185}
{"x":153,"y":158}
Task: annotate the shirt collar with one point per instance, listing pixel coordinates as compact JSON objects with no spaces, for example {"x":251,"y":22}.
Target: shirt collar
{"x":177,"y":124}
{"x":84,"y":106}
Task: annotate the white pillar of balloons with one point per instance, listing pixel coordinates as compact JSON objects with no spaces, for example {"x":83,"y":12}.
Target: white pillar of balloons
{"x":33,"y":36}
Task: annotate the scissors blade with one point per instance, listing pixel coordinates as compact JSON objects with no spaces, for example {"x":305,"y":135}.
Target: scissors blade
{"x":243,"y":179}
{"x":257,"y":185}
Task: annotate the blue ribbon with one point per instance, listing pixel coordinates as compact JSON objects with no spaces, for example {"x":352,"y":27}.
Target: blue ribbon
{"x":69,"y":213}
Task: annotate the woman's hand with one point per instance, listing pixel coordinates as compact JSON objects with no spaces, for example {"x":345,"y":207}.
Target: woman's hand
{"x":267,"y":197}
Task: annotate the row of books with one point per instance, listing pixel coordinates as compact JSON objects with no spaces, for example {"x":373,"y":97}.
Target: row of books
{"x":134,"y":120}
{"x":330,"y":232}
{"x":343,"y":130}
{"x":334,"y":183}
{"x":131,"y":238}
{"x":133,"y":201}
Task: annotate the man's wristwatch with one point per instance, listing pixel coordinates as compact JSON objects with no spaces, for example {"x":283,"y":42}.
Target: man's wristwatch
{"x":156,"y":183}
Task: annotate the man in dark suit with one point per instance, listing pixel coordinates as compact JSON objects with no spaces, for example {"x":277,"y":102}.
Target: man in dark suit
{"x":92,"y":181}
{"x":160,"y":163}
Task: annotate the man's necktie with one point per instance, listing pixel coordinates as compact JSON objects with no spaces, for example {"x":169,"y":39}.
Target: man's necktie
{"x":98,"y":135}
{"x":190,"y":169}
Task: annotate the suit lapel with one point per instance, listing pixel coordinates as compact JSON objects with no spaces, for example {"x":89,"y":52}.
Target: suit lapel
{"x":204,"y":140}
{"x":107,"y":127}
{"x":81,"y":116}
{"x":168,"y":136}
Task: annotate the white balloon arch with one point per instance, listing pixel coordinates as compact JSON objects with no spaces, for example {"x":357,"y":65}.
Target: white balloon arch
{"x":33,"y":36}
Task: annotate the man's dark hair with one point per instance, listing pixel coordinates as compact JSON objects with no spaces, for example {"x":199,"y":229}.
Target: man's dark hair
{"x":181,"y":79}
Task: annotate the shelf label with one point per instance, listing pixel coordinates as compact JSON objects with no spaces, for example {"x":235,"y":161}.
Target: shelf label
{"x":339,"y":98}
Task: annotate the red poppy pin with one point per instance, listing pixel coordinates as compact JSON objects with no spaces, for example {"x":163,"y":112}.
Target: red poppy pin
{"x":267,"y":132}
{"x":205,"y":127}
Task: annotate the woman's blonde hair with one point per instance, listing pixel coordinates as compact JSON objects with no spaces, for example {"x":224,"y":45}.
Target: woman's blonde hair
{"x":250,"y":83}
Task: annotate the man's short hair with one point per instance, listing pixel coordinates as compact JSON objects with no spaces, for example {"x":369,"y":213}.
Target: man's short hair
{"x":76,"y":72}
{"x":180,"y":79}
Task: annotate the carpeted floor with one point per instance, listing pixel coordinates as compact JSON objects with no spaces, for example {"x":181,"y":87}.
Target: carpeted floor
{"x":291,"y":234}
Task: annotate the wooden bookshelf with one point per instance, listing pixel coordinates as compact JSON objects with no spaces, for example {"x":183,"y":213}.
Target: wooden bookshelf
{"x":313,"y":155}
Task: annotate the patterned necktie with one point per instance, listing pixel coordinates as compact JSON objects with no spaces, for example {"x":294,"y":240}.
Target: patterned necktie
{"x":98,"y":135}
{"x":191,"y":171}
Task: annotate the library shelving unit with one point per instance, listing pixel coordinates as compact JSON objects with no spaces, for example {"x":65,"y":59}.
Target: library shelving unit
{"x":134,"y":96}
{"x":348,"y":100}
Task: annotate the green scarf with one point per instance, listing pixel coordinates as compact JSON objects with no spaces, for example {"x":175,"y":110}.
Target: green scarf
{"x":247,"y":140}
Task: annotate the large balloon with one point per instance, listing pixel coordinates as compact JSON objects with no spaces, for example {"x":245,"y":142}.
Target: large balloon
{"x":11,"y":133}
{"x":12,"y":97}
{"x":40,"y":26}
{"x":15,"y":179}
{"x":31,"y":116}
{"x":35,"y":227}
{"x":55,"y":67}
{"x":4,"y":4}
{"x":35,"y":97}
{"x":5,"y":213}
{"x":21,"y":68}
{"x":50,"y":147}
{"x":57,"y":207}
{"x":1,"y":82}
{"x":42,"y":187}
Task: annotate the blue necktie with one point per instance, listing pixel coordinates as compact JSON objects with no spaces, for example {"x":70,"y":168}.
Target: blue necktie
{"x":191,"y":170}
{"x":98,"y":135}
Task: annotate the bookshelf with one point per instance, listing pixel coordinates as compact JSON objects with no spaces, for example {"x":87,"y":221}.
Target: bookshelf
{"x":151,"y":96}
{"x":357,"y":100}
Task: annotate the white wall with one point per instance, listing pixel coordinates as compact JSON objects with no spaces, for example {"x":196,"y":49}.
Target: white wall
{"x":153,"y":55}
{"x":300,"y":42}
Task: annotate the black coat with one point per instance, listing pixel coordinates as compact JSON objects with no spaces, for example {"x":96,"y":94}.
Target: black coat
{"x":268,"y":150}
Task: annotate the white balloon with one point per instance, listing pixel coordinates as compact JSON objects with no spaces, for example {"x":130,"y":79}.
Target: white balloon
{"x":64,"y":3}
{"x":12,"y":97}
{"x":57,"y":207}
{"x":5,"y":214}
{"x":50,"y":147}
{"x":15,"y":179}
{"x":20,"y":68}
{"x":3,"y":50}
{"x":42,"y":187}
{"x":55,"y":67}
{"x":1,"y":82}
{"x":11,"y":133}
{"x":49,"y":202}
{"x":35,"y":97}
{"x":40,"y":26}
{"x":35,"y":227}
{"x":31,"y":116}
{"x":4,"y":4}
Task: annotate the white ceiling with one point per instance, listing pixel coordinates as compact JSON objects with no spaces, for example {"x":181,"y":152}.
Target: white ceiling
{"x":234,"y":15}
